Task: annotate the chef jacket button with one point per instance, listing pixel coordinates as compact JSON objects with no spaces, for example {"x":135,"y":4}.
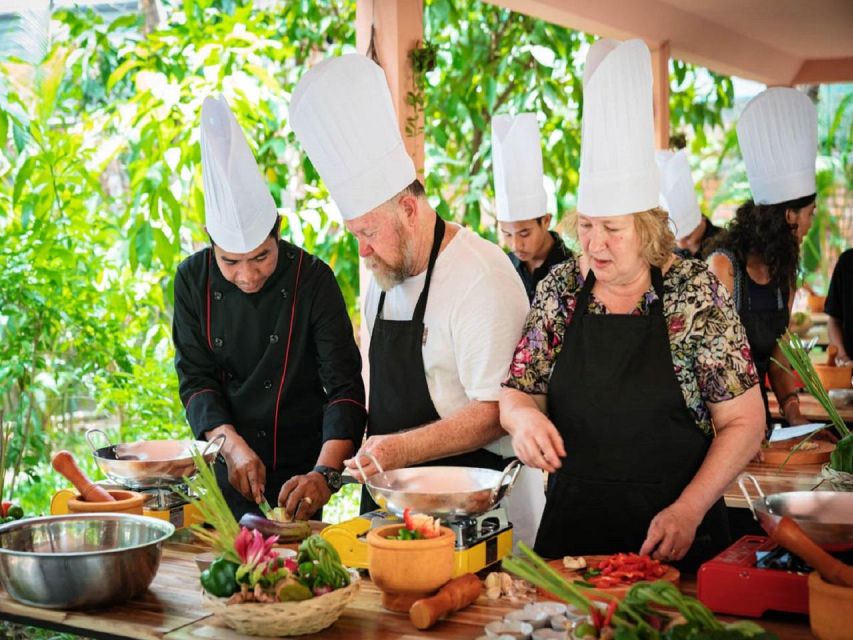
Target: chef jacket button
{"x":218,"y":342}
{"x":230,"y":375}
{"x":290,"y":254}
{"x":217,"y":295}
{"x":267,"y":384}
{"x":284,"y":293}
{"x":262,"y":434}
{"x":274,"y":338}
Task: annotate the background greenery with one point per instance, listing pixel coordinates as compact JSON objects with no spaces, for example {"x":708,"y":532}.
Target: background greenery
{"x":100,"y":185}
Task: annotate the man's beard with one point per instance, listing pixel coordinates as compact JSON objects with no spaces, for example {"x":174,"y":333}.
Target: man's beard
{"x":389,"y":275}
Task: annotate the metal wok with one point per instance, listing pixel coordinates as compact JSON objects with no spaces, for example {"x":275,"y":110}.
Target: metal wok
{"x":444,"y":492}
{"x":825,"y":516}
{"x":151,"y":464}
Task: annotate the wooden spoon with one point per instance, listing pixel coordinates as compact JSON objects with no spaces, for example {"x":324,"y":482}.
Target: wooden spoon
{"x":788,"y":534}
{"x":63,"y":462}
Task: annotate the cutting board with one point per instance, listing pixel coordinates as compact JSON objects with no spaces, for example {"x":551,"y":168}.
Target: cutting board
{"x":672,"y":575}
{"x":777,"y":453}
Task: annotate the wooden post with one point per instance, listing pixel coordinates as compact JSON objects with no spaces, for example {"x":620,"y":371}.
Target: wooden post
{"x":397,"y":27}
{"x":660,"y":93}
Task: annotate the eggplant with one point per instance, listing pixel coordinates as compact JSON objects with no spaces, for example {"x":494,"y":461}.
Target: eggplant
{"x":286,"y":531}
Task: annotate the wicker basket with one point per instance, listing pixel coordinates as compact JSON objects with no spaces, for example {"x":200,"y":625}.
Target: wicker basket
{"x":285,"y":618}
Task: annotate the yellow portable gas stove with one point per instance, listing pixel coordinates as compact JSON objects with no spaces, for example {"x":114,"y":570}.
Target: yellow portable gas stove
{"x":481,"y":540}
{"x":160,"y":503}
{"x":465,"y":499}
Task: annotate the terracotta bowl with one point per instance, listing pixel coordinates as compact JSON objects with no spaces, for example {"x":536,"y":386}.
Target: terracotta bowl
{"x":125,"y":502}
{"x":830,"y":609}
{"x":834,"y":377}
{"x":408,"y":570}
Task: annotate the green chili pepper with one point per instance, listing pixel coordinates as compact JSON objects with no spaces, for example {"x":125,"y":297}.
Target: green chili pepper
{"x":220,"y":578}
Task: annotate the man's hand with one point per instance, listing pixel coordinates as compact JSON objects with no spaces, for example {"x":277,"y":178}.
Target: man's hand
{"x":537,"y":443}
{"x":246,"y":472}
{"x":302,"y":496}
{"x":671,"y":533}
{"x":390,"y":451}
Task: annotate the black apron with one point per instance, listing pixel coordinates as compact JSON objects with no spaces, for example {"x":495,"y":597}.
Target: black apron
{"x":763,"y":310}
{"x":399,"y":395}
{"x":632,"y":444}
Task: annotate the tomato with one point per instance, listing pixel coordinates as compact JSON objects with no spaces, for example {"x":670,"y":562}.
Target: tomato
{"x":5,"y":508}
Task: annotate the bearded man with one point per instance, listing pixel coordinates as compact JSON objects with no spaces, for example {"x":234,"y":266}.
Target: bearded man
{"x":444,"y":307}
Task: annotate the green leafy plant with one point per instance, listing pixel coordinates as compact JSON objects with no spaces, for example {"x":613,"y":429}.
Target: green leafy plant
{"x":795,"y":352}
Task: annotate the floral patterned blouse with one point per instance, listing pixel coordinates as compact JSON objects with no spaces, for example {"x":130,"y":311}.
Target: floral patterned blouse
{"x":710,"y":352}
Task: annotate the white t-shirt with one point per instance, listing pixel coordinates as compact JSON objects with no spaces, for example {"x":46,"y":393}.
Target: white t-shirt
{"x":474,"y":318}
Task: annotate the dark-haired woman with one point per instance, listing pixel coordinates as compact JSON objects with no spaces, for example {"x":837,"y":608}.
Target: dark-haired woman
{"x":757,"y":258}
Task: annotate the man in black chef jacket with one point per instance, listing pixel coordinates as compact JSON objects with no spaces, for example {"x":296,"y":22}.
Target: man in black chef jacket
{"x":264,"y":346}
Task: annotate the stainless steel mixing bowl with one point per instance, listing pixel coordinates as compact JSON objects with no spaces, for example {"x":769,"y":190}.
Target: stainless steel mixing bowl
{"x":80,"y":561}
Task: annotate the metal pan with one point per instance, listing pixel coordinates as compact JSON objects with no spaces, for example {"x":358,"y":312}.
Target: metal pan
{"x":150,"y":464}
{"x":443,"y":492}
{"x":825,"y":516}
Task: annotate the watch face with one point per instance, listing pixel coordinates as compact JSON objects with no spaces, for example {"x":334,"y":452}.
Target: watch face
{"x":333,"y":479}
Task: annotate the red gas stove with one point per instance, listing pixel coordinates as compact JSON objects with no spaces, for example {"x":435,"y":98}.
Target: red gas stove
{"x":754,"y":576}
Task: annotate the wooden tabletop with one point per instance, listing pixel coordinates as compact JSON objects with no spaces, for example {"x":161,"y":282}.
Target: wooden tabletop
{"x":172,"y":609}
{"x":776,"y":479}
{"x":810,"y":409}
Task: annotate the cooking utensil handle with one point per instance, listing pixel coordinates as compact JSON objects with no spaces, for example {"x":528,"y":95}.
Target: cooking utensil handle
{"x":370,"y":457}
{"x":220,"y":438}
{"x":512,"y":468}
{"x":91,"y":432}
{"x":741,"y":482}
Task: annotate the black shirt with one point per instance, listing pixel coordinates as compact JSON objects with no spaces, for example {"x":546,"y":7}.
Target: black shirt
{"x":559,"y":252}
{"x":281,"y":364}
{"x":839,"y":299}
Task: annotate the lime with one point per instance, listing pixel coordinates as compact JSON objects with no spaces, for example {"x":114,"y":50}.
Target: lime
{"x":15,"y":512}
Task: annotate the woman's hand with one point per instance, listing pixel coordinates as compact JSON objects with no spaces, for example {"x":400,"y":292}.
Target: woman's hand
{"x":536,"y":441}
{"x":671,"y":532}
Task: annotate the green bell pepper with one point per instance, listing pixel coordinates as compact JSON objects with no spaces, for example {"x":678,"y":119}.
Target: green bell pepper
{"x":220,"y":578}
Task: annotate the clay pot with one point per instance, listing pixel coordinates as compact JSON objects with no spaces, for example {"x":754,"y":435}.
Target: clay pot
{"x":408,"y":570}
{"x":815,"y":303}
{"x":830,"y":609}
{"x":125,"y":502}
{"x":834,"y":377}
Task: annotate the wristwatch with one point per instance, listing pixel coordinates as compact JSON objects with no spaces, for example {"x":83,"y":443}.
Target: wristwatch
{"x":331,"y":475}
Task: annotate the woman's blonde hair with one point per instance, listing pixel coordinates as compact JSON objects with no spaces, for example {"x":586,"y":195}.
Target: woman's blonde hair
{"x":656,"y":237}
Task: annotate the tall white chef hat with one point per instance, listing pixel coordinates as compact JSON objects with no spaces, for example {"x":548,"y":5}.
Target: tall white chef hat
{"x":341,"y":112}
{"x":678,"y":191}
{"x":777,"y":132}
{"x":517,"y":161}
{"x":618,"y":173}
{"x":239,"y":211}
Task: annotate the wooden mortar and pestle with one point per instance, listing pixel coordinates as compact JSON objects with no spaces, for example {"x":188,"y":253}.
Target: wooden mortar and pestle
{"x":830,"y":585}
{"x":832,"y":376}
{"x":92,"y":497}
{"x":456,"y":594}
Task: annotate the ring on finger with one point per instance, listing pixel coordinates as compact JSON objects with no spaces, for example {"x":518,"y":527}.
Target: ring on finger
{"x":307,"y":500}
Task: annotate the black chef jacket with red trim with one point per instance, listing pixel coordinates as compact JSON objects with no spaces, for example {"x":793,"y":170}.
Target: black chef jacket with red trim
{"x":281,"y":365}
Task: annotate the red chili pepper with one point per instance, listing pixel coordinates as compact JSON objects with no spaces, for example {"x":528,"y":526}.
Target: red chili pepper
{"x":595,"y":615}
{"x":611,"y":609}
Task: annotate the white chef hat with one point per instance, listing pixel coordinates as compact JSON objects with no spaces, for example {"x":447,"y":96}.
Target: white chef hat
{"x":618,"y":173}
{"x":517,"y":162}
{"x":341,"y":112}
{"x":678,"y":192}
{"x":777,"y":132}
{"x":239,"y":211}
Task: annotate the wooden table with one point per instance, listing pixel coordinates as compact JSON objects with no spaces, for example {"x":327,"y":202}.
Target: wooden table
{"x":172,"y":610}
{"x":810,"y":408}
{"x":774,"y":479}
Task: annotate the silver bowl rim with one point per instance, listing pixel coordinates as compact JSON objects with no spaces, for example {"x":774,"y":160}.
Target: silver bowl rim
{"x":166,"y":531}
